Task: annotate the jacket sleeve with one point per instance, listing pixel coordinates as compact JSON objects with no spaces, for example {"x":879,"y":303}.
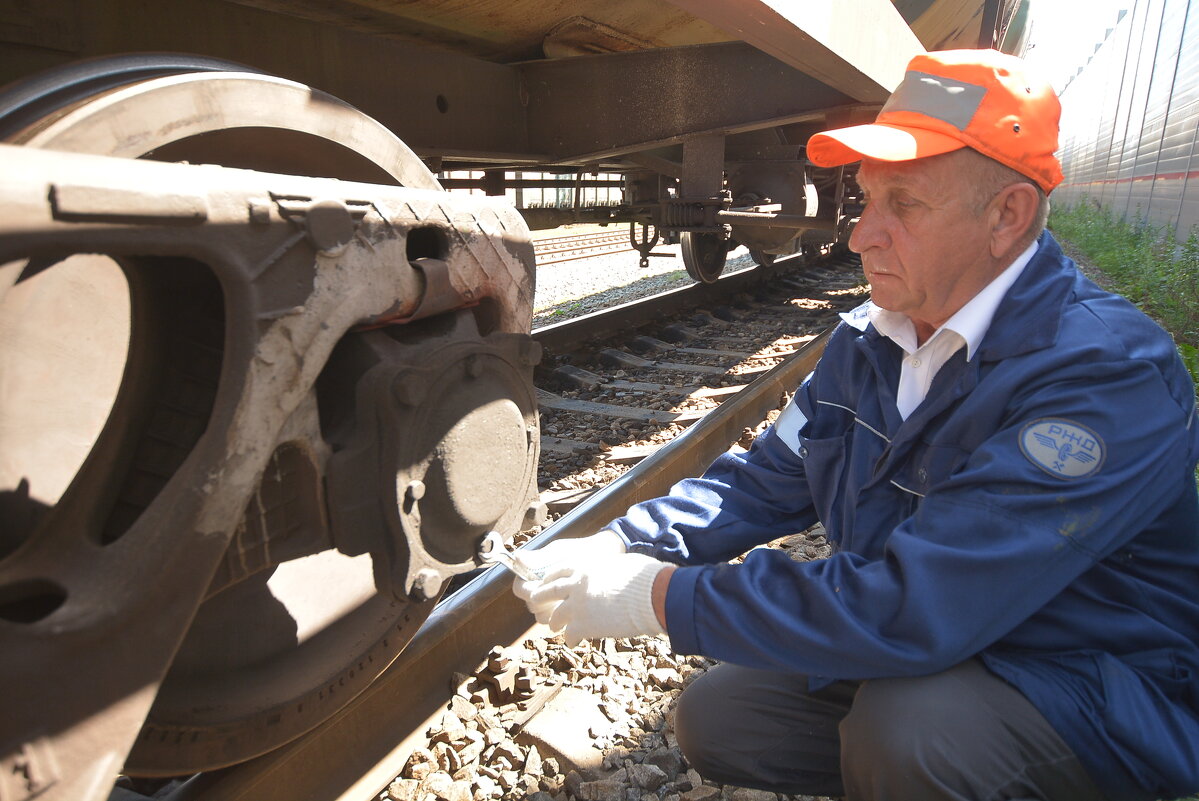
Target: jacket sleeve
{"x":987,"y":548}
{"x":743,"y":499}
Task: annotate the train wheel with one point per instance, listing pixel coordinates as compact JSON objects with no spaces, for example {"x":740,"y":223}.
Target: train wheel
{"x":704,"y":256}
{"x":138,"y":346}
{"x":762,"y":258}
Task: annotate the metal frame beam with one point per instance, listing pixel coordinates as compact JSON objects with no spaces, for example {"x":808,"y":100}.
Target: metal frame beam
{"x":703,"y":166}
{"x":858,"y":47}
{"x":645,"y":99}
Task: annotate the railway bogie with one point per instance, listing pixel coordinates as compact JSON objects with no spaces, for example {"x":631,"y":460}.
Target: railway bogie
{"x":265,"y":386}
{"x":273,"y":478}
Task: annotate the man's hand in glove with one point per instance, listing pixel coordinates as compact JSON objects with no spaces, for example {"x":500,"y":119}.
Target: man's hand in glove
{"x":610,"y":595}
{"x":569,"y":551}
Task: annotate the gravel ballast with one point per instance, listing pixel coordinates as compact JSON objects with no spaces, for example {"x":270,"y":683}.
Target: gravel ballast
{"x":606,"y":736}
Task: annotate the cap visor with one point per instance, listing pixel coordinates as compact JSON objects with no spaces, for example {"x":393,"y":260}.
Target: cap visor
{"x":875,"y":141}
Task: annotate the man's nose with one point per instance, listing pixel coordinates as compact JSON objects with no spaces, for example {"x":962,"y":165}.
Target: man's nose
{"x":868,"y":232}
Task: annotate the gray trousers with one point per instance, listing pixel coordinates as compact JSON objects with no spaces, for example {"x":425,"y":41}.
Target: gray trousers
{"x":962,"y":734}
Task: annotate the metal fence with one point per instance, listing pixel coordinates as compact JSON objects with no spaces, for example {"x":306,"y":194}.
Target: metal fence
{"x":1129,"y":119}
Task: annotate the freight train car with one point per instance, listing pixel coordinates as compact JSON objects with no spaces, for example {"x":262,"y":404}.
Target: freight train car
{"x":1130,"y":118}
{"x":264,"y":385}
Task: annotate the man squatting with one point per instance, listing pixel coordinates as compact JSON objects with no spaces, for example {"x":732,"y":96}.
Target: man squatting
{"x":1003,"y":457}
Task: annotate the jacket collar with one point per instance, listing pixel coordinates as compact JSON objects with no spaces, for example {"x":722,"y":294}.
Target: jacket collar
{"x":1028,"y":317}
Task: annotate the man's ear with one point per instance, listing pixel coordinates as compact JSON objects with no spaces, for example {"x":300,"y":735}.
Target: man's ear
{"x":1013,"y":211}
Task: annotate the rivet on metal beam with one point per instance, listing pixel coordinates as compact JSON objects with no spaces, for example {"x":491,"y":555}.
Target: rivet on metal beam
{"x":426,"y":584}
{"x":260,"y":211}
{"x":414,"y":491}
{"x":330,"y":226}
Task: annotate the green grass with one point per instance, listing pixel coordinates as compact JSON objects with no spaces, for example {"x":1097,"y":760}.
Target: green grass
{"x":1145,"y":264}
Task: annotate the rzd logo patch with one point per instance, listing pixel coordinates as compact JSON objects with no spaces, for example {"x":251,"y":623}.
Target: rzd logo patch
{"x":1062,"y":448}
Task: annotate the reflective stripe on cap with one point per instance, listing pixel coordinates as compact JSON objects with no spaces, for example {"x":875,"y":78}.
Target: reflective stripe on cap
{"x":952,"y":102}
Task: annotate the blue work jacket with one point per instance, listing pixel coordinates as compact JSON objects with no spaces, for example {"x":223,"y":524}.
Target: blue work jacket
{"x":1037,"y":510}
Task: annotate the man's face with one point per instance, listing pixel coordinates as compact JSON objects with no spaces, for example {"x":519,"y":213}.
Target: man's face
{"x":925,"y":249}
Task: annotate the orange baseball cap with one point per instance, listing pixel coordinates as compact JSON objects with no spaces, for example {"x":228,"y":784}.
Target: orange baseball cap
{"x":952,"y":99}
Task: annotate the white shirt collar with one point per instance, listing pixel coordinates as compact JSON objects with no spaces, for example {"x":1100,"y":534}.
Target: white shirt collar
{"x":971,"y":322}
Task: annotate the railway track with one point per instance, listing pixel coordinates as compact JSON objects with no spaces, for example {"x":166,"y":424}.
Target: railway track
{"x":554,"y":250}
{"x":623,"y":419}
{"x":610,"y":399}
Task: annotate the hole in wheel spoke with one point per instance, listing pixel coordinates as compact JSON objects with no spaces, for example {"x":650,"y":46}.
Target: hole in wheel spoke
{"x":30,"y":601}
{"x":65,"y":329}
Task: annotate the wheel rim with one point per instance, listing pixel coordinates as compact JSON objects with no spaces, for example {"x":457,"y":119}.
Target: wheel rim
{"x":280,"y":651}
{"x":762,"y":258}
{"x":704,"y":256}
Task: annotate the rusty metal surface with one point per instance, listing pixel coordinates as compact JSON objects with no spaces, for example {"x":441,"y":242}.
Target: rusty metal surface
{"x":357,"y":753}
{"x":126,"y":598}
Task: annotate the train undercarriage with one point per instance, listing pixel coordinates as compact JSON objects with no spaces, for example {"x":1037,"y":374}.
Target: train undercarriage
{"x":265,"y":385}
{"x":275,"y":413}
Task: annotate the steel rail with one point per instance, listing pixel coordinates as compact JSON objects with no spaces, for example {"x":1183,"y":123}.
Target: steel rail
{"x":558,"y":250}
{"x":355,"y":754}
{"x":588,"y":254}
{"x":562,"y":337}
{"x":571,"y":240}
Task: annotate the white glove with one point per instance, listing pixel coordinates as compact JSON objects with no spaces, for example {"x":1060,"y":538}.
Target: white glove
{"x":576,"y":550}
{"x":592,"y":597}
